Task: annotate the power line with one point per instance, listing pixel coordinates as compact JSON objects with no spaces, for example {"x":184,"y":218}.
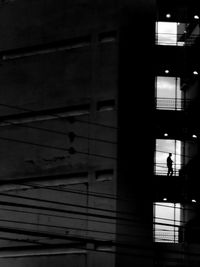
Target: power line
{"x":59,"y":227}
{"x":78,"y":218}
{"x":71,"y":135}
{"x":37,"y":186}
{"x":158,"y":218}
{"x":71,"y":150}
{"x":69,"y":228}
{"x":73,"y":205}
{"x":70,"y":118}
{"x":68,"y":211}
{"x":80,"y":192}
{"x":52,"y":215}
{"x":61,"y":216}
{"x":66,"y":204}
{"x":25,"y":240}
{"x":75,"y":191}
{"x":81,"y":213}
{"x":96,"y":242}
{"x":98,"y":231}
{"x":97,"y":124}
{"x":165,"y":224}
{"x":51,"y":235}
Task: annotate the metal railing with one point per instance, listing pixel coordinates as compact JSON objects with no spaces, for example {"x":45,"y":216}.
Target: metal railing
{"x":167,"y":236}
{"x":164,"y":103}
{"x":162,"y":170}
{"x":170,"y":39}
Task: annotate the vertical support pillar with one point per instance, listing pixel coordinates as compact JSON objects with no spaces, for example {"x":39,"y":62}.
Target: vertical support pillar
{"x":136,"y":134}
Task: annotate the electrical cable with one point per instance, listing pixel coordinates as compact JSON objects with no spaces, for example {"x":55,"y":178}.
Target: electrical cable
{"x":68,"y":134}
{"x":96,"y":242}
{"x":169,"y":240}
{"x":74,"y":212}
{"x":82,"y":206}
{"x":70,"y":150}
{"x":60,"y":117}
{"x":65,"y":204}
{"x":75,"y":191}
{"x":109,"y":241}
{"x":25,"y":240}
{"x":89,"y":214}
{"x":81,"y":219}
{"x":128,"y":213}
{"x":69,"y":228}
{"x":81,"y":192}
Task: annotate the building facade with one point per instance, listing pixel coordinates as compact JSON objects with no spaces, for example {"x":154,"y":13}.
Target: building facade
{"x":94,"y":96}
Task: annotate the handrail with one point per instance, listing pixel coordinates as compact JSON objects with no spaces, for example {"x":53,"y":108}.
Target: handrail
{"x":162,"y":170}
{"x":167,"y":103}
{"x":179,"y":39}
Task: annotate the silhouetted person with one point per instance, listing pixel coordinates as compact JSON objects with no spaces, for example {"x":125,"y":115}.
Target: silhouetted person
{"x":169,"y":165}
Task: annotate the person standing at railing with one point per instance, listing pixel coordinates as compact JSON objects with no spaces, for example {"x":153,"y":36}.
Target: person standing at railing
{"x":169,"y":165}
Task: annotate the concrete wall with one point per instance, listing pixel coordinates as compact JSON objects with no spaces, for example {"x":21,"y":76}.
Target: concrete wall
{"x":62,"y":260}
{"x":29,"y":23}
{"x":58,"y":56}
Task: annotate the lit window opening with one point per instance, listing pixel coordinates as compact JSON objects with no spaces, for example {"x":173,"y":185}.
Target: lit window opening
{"x":167,"y":33}
{"x":168,"y":93}
{"x":176,"y":33}
{"x":163,"y":148}
{"x":167,"y":222}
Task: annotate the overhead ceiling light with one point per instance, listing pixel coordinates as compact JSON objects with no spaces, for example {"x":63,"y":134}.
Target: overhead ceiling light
{"x":164,"y":199}
{"x":194,"y":136}
{"x":165,"y":134}
{"x":166,"y":71}
{"x":194,"y":201}
{"x":168,"y":15}
{"x":195,"y":72}
{"x":196,"y":17}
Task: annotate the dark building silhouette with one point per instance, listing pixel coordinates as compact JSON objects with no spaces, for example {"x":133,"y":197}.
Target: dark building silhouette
{"x":93,"y":97}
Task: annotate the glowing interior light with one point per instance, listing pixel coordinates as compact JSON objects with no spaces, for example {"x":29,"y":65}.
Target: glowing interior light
{"x":164,"y":199}
{"x":166,"y":134}
{"x":168,"y":15}
{"x":194,"y":201}
{"x":194,"y":136}
{"x":195,"y":72}
{"x":166,"y":71}
{"x":196,"y":17}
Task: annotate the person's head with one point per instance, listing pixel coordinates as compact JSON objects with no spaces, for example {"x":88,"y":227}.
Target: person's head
{"x":170,"y":154}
